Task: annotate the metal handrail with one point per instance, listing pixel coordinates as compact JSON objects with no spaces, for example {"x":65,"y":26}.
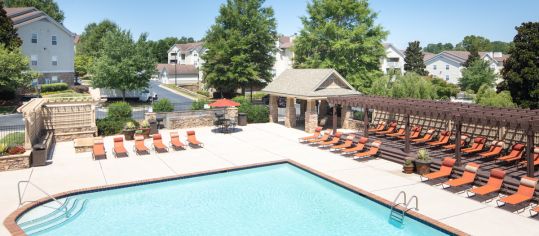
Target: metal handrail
{"x":416,"y":203}
{"x":398,"y":195}
{"x":40,"y":189}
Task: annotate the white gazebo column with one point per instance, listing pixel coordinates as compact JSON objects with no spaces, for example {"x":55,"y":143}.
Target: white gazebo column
{"x":273,"y":109}
{"x":346,"y":115}
{"x":290,"y":116}
{"x":311,"y":116}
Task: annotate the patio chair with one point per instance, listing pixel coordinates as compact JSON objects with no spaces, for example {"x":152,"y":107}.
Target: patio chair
{"x":413,"y":134}
{"x":375,"y":147}
{"x":359,"y":146}
{"x":347,"y":143}
{"x":315,"y":135}
{"x":400,"y":131}
{"x":494,"y":184}
{"x":445,"y":170}
{"x":524,"y":193}
{"x":334,"y":140}
{"x":325,"y":137}
{"x":390,"y":129}
{"x":140,"y":148}
{"x":192,"y":139}
{"x":427,"y":137}
{"x":468,"y":176}
{"x":379,"y":127}
{"x":495,"y":149}
{"x":175,"y":141}
{"x":453,"y":146}
{"x":158,"y":145}
{"x":119,"y":148}
{"x":443,"y":139}
{"x":98,"y":149}
{"x":535,"y":158}
{"x":477,"y":145}
{"x":516,"y":153}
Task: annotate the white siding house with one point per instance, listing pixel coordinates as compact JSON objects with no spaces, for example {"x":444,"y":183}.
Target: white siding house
{"x":284,"y":57}
{"x":394,"y":59}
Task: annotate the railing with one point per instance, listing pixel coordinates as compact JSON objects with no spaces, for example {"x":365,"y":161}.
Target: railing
{"x":42,"y":191}
{"x":12,"y":135}
{"x":399,"y":215}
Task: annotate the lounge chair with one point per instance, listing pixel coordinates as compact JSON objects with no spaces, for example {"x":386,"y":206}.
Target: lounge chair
{"x":516,"y":153}
{"x":192,"y":139}
{"x":119,"y":148}
{"x":400,"y":131}
{"x":315,"y":135}
{"x":347,"y":143}
{"x":468,"y":176}
{"x":158,"y":145}
{"x":375,"y":146}
{"x":359,"y":146}
{"x":334,"y":140}
{"x":413,"y":134}
{"x":325,"y":137}
{"x":140,"y":148}
{"x":535,"y":158}
{"x":453,"y":146}
{"x":379,"y":127}
{"x":525,"y":192}
{"x":495,"y":149}
{"x":445,"y":170}
{"x":493,"y":185}
{"x":477,"y":146}
{"x":175,"y":141}
{"x":443,"y":139}
{"x":427,"y":137}
{"x":98,"y":149}
{"x":390,"y":129}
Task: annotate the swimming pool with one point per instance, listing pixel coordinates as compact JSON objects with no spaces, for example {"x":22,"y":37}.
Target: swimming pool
{"x":278,"y":199}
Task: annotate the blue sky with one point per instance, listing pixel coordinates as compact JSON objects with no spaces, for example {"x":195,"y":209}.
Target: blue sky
{"x":428,"y":21}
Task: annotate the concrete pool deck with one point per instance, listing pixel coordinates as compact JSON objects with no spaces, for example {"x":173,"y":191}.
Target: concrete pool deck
{"x":259,"y":143}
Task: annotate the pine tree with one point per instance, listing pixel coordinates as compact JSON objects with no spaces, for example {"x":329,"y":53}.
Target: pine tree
{"x":341,"y":34}
{"x":474,"y":55}
{"x":8,"y":34}
{"x":414,"y":59}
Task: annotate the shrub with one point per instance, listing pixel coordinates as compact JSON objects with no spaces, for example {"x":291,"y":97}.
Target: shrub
{"x":258,"y":114}
{"x":199,"y":104}
{"x":16,"y":138}
{"x":54,"y":87}
{"x":162,"y":105}
{"x":120,"y":111}
{"x":258,"y":95}
{"x":7,"y":93}
{"x":109,"y":126}
{"x":81,"y":89}
{"x":203,"y":92}
{"x":17,"y":149}
{"x":130,"y":125}
{"x":145,"y":124}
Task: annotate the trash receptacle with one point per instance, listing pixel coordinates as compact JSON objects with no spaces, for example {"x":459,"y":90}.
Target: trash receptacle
{"x":39,"y":155}
{"x":242,"y":119}
{"x":153,"y":127}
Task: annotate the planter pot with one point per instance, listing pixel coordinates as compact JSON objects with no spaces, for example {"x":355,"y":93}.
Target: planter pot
{"x":422,"y":167}
{"x":408,"y":169}
{"x":145,"y":132}
{"x":128,"y":134}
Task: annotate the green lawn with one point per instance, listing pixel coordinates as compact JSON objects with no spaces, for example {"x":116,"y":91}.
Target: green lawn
{"x":16,"y":138}
{"x":63,"y":93}
{"x":7,"y":109}
{"x":191,"y":95}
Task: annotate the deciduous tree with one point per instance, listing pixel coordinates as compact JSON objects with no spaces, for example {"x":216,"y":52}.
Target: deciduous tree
{"x":438,"y":47}
{"x":414,"y":59}
{"x":477,"y":74}
{"x":8,"y":34}
{"x":478,"y":43}
{"x":14,"y":68}
{"x":91,"y":40}
{"x":50,"y":7}
{"x":487,"y":96}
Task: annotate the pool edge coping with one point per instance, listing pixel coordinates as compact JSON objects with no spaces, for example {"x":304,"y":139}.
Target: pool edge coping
{"x":11,"y":225}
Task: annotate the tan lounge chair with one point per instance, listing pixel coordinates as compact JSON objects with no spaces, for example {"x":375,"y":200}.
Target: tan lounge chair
{"x":98,"y":149}
{"x":315,"y":135}
{"x":175,"y":141}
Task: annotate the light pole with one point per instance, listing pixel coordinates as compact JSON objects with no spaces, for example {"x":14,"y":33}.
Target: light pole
{"x":175,"y":71}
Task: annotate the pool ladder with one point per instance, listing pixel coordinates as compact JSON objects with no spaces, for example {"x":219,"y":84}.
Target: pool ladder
{"x":28,"y":182}
{"x":398,"y":214}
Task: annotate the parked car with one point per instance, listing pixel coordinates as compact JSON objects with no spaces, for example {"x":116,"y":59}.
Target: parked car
{"x":281,"y":102}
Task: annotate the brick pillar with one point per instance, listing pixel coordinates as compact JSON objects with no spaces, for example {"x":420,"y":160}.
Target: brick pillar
{"x":346,"y":116}
{"x":231,"y":113}
{"x":274,"y":109}
{"x":290,"y":116}
{"x":311,"y":116}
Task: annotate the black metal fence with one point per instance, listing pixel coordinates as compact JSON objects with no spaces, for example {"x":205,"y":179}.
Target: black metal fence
{"x":139,"y":110}
{"x":11,"y":135}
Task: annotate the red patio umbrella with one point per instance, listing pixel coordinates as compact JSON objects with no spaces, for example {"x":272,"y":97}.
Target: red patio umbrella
{"x":224,"y":103}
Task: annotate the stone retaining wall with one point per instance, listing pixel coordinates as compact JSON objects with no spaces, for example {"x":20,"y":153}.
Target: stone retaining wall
{"x":15,"y":162}
{"x":353,"y":124}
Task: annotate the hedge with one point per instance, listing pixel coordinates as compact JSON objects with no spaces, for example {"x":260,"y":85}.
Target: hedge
{"x":120,"y":111}
{"x":162,"y":105}
{"x":54,"y":87}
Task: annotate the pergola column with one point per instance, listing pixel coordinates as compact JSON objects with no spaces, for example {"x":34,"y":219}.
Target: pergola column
{"x":290,"y":116}
{"x":346,"y":115}
{"x":334,"y":118}
{"x":311,"y":116}
{"x":366,"y":122}
{"x":406,"y":133}
{"x":458,"y":134}
{"x":529,"y":152}
{"x":273,"y":109}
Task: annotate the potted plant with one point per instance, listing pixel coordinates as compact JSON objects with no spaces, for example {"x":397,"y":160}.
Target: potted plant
{"x":138,"y":132}
{"x":145,"y":127}
{"x":423,"y":161}
{"x":129,"y":130}
{"x":408,"y":166}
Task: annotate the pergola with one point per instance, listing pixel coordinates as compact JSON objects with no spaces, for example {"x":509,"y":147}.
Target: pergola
{"x":522,"y":119}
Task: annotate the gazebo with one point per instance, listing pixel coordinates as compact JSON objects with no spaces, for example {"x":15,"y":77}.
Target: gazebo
{"x":309,"y":86}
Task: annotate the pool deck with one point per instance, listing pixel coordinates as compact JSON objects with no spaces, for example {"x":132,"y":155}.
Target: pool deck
{"x":260,"y":143}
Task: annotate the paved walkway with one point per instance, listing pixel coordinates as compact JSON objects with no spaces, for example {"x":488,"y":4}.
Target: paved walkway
{"x":260,"y":143}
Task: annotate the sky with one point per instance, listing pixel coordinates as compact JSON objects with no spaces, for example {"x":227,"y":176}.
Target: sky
{"x":429,"y":21}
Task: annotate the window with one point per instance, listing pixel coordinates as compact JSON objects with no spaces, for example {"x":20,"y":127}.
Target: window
{"x":195,"y":55}
{"x":54,"y":41}
{"x":47,"y":80}
{"x":54,"y":79}
{"x":446,"y":67}
{"x":54,"y":60}
{"x":173,"y":54}
{"x":434,"y":67}
{"x":447,"y":78}
{"x":33,"y":60}
{"x":183,"y":56}
{"x":34,"y":37}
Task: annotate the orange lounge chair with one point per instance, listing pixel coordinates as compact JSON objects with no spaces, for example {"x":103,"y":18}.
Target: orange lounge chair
{"x":468,"y":176}
{"x":375,"y":146}
{"x":390,"y":129}
{"x":378,"y":127}
{"x":334,"y":140}
{"x":359,"y":146}
{"x":495,"y":149}
{"x":477,"y":146}
{"x":515,"y":154}
{"x":400,"y":131}
{"x":535,"y":158}
{"x":98,"y":149}
{"x":158,"y":145}
{"x":427,"y":137}
{"x":525,"y":192}
{"x":347,"y":144}
{"x":192,"y":139}
{"x":325,"y":137}
{"x":175,"y":141}
{"x":315,"y":135}
{"x":453,"y":146}
{"x":445,"y":170}
{"x":140,"y":147}
{"x":443,"y":139}
{"x":414,"y":134}
{"x":494,"y":184}
{"x":119,"y":149}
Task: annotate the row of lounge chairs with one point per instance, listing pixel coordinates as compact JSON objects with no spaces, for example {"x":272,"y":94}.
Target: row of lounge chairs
{"x":346,"y":144}
{"x":140,"y":148}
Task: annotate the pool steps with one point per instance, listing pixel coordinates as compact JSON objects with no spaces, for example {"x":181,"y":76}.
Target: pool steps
{"x":397,"y":214}
{"x":55,"y":218}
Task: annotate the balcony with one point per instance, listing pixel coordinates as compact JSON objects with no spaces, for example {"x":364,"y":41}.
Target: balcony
{"x":393,"y":64}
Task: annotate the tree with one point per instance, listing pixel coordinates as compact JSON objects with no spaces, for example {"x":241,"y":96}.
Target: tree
{"x":82,"y":64}
{"x":414,"y":59}
{"x":478,"y":43}
{"x":412,"y":85}
{"x":123,"y":64}
{"x":14,"y":69}
{"x":521,"y":69}
{"x":91,"y":40}
{"x":159,"y":49}
{"x":381,"y":87}
{"x":474,"y":55}
{"x":341,"y":34}
{"x":444,"y":90}
{"x":499,"y":46}
{"x":8,"y":34}
{"x":487,"y":96}
{"x":477,"y":74}
{"x":438,"y":47}
{"x":240,"y":46}
{"x":50,"y":7}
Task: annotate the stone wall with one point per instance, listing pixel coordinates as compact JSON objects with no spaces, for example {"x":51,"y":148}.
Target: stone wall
{"x":185,"y":122}
{"x":353,"y":124}
{"x":15,"y":162}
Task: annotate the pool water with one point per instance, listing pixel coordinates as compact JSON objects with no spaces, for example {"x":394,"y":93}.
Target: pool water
{"x":272,"y":200}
